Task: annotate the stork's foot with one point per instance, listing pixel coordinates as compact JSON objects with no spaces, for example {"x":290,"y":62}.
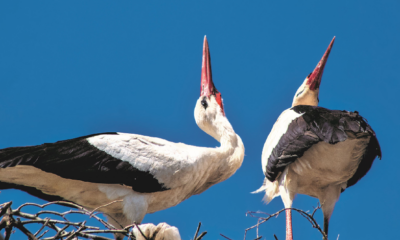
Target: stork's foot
{"x":162,"y":231}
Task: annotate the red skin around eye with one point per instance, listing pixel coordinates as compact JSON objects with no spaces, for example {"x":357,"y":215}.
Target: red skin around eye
{"x":219,"y":101}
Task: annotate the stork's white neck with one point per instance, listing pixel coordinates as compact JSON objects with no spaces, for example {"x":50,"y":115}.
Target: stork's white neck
{"x":212,"y":120}
{"x":306,"y":96}
{"x":227,"y":158}
{"x":227,"y":137}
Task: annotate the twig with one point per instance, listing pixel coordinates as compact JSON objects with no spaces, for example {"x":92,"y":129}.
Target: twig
{"x":82,"y":211}
{"x":4,"y":208}
{"x":41,"y":235}
{"x":258,"y":224}
{"x":260,"y":220}
{"x":201,"y":235}
{"x":197,"y":231}
{"x":60,"y":232}
{"x":43,"y":226}
{"x":129,"y":226}
{"x":225,"y":236}
{"x":140,"y":230}
{"x":81,"y":229}
{"x":24,"y":230}
{"x":52,"y":203}
{"x":89,"y":236}
{"x":315,"y":209}
{"x":105,"y":205}
{"x":56,"y":222}
{"x":306,"y":215}
{"x":9,"y":223}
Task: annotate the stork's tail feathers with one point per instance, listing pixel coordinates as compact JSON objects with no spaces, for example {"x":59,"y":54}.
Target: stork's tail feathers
{"x":271,"y":190}
{"x":262,"y":188}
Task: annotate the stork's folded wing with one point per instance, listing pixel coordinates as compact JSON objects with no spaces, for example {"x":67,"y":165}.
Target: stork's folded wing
{"x":312,"y":125}
{"x":146,"y":164}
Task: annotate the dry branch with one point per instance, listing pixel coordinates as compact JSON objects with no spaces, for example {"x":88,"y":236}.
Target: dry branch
{"x":261,"y":220}
{"x":11,"y":220}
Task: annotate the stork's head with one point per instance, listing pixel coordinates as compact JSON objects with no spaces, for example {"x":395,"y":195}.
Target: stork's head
{"x":209,"y":107}
{"x":307,"y":94}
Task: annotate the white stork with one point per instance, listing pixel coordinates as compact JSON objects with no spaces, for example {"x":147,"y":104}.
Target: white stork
{"x":149,"y":174}
{"x":316,"y":151}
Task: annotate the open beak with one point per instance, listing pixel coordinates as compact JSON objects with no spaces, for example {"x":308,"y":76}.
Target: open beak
{"x":207,"y":87}
{"x":314,"y":79}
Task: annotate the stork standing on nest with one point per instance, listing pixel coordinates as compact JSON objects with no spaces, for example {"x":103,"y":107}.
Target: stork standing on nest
{"x":316,"y":151}
{"x":148,"y":174}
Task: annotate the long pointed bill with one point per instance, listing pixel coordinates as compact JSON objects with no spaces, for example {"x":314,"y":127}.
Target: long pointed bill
{"x":314,"y":80}
{"x":207,"y":87}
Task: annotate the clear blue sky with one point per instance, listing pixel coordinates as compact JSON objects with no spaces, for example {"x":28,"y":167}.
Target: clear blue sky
{"x":72,"y":68}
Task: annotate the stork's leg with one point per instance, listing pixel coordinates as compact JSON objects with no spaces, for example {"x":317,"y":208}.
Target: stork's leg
{"x":287,"y":198}
{"x":328,"y":200}
{"x":326,"y":225}
{"x":289,"y":230}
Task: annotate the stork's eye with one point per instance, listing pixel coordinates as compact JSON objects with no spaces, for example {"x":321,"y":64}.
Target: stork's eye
{"x":204,"y":103}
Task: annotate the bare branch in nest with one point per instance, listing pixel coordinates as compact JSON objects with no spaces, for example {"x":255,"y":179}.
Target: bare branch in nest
{"x":105,"y":205}
{"x":261,"y":220}
{"x":43,"y":226}
{"x":9,"y":223}
{"x":140,"y":230}
{"x":64,"y":229}
{"x":201,"y":235}
{"x":224,"y":236}
{"x":197,"y":232}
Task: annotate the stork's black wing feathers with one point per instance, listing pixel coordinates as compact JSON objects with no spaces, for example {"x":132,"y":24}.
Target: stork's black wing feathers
{"x":372,"y":151}
{"x":77,"y":159}
{"x":320,"y":124}
{"x":291,"y":146}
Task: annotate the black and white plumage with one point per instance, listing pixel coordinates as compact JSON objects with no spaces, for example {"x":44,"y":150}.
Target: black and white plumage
{"x":316,"y":151}
{"x":85,"y":159}
{"x":312,"y":125}
{"x":149,"y":174}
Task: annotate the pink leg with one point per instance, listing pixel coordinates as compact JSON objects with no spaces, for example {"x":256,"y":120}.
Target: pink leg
{"x":289,"y":231}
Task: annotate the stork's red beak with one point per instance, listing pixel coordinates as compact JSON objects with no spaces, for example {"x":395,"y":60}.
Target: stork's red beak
{"x":314,"y":79}
{"x":207,"y":87}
